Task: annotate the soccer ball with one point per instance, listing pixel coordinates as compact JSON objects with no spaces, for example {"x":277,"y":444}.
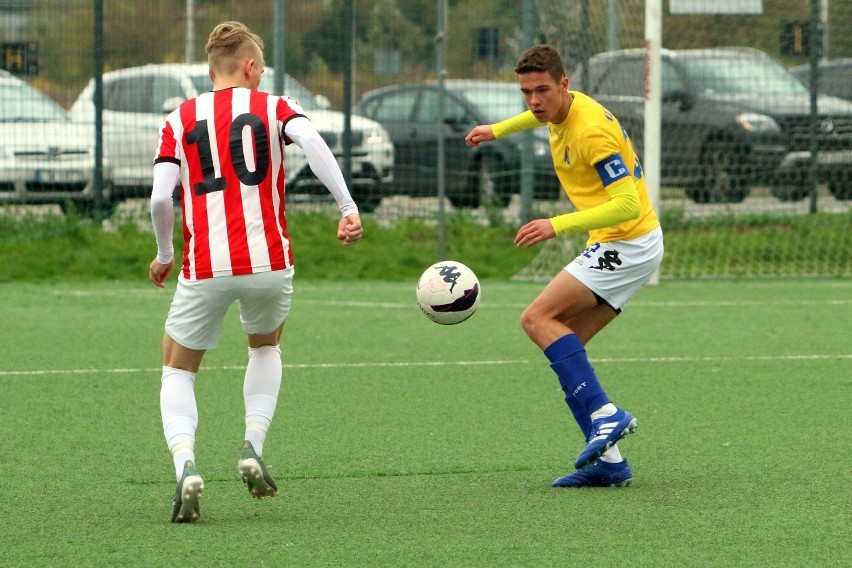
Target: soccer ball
{"x":448,"y":292}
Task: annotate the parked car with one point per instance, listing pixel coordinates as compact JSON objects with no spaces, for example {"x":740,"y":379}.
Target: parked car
{"x":835,"y":77}
{"x":731,"y":118}
{"x":489,"y":174}
{"x":44,"y":157}
{"x":136,"y":99}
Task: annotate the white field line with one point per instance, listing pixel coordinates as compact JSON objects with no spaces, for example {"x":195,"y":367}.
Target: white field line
{"x":409,"y":364}
{"x":160,"y":295}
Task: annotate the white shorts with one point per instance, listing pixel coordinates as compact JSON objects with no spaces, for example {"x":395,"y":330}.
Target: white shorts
{"x":616,"y":270}
{"x":199,"y":306}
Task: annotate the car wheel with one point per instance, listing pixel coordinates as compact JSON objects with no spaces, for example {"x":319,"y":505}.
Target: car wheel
{"x":792,"y":187}
{"x":789,"y":192}
{"x":841,"y":188}
{"x":367,"y":196}
{"x":723,"y":176}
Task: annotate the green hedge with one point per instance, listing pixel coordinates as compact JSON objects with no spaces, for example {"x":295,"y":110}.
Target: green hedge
{"x":52,"y":247}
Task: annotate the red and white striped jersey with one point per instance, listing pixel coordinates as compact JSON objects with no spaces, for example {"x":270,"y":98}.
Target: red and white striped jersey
{"x":230,"y":148}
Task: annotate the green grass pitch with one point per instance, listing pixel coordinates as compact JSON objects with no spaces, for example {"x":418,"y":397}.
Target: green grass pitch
{"x":398,"y":442}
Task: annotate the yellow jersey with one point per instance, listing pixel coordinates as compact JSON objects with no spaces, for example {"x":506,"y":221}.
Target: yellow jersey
{"x":591,"y":151}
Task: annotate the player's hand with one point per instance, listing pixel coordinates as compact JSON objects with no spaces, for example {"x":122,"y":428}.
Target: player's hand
{"x":481,"y":133}
{"x":534,"y":232}
{"x":349,"y":229}
{"x":158,"y":272}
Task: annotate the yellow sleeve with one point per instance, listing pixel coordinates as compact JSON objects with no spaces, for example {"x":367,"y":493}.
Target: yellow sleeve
{"x":523,"y":121}
{"x":622,"y":206}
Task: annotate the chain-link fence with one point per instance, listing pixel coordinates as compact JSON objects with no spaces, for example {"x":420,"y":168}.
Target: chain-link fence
{"x":741,"y":133}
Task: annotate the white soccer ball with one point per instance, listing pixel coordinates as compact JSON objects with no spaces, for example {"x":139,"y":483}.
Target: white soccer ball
{"x":448,"y":292}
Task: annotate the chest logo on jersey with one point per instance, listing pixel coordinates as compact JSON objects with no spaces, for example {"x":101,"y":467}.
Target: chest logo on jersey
{"x":567,"y":157}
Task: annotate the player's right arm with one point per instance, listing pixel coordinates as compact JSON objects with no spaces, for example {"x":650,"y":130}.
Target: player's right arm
{"x":489,"y":132}
{"x":166,"y":176}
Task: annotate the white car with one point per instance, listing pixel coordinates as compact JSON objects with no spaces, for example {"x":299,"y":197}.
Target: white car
{"x":44,"y":156}
{"x":136,"y":99}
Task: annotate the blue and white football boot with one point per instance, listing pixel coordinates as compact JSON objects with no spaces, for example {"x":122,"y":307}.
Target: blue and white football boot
{"x":599,"y":474}
{"x":606,"y":432}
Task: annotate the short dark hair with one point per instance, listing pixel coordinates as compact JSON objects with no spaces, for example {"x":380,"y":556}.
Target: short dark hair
{"x":541,"y":58}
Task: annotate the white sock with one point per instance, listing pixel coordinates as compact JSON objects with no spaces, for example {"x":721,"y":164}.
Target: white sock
{"x":180,"y":415}
{"x":180,"y":454}
{"x":260,"y":391}
{"x":612,"y":455}
{"x":607,"y":409}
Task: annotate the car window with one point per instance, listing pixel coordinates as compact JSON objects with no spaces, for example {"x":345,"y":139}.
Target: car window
{"x":836,"y":81}
{"x":494,"y":102}
{"x":128,"y":94}
{"x":427,"y":109}
{"x":20,"y":102}
{"x":165,"y":88}
{"x":396,"y":107}
{"x":202,"y":83}
{"x":626,"y":78}
{"x":367,"y":108}
{"x":292,"y":88}
{"x":670,"y":79}
{"x":732,"y":74}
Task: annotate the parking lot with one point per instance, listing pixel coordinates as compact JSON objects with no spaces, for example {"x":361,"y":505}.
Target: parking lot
{"x":392,"y":209}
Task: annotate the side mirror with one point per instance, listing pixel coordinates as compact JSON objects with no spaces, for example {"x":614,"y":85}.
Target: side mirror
{"x":458,"y":123}
{"x":171,"y":104}
{"x":684,"y":98}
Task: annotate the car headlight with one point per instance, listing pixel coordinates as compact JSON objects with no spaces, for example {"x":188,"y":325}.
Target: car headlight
{"x":754,"y":122}
{"x":375,"y":137}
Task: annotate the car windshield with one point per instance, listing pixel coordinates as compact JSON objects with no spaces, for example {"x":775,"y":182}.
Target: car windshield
{"x":495,"y":103}
{"x":21,"y":103}
{"x":292,"y":88}
{"x":740,"y":74}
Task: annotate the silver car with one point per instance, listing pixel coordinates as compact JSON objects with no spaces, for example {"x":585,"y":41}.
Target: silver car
{"x":136,"y":99}
{"x":44,"y":156}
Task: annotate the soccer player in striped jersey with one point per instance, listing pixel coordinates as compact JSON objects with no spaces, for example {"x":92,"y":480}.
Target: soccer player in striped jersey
{"x":601,"y":175}
{"x":226,"y":150}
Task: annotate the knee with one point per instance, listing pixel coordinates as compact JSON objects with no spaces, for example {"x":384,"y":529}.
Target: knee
{"x":529,"y":322}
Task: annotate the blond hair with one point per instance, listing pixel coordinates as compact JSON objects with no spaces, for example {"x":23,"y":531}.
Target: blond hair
{"x":230,"y":43}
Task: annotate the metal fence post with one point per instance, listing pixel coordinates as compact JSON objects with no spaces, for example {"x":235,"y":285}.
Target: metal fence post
{"x":348,"y":74}
{"x":441,"y":69}
{"x":98,"y":99}
{"x":815,"y":48}
{"x":528,"y":26}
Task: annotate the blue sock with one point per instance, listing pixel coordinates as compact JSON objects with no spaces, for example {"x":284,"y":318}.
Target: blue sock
{"x":580,"y":415}
{"x":583,"y":392}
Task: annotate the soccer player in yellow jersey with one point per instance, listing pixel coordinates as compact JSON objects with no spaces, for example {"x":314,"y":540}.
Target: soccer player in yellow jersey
{"x":600,"y":172}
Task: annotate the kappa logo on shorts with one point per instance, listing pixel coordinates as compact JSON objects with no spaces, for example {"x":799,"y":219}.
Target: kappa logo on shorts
{"x":607,"y":261}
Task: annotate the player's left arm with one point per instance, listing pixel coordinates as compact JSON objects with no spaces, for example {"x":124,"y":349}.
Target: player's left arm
{"x":322,"y":163}
{"x":489,"y":132}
